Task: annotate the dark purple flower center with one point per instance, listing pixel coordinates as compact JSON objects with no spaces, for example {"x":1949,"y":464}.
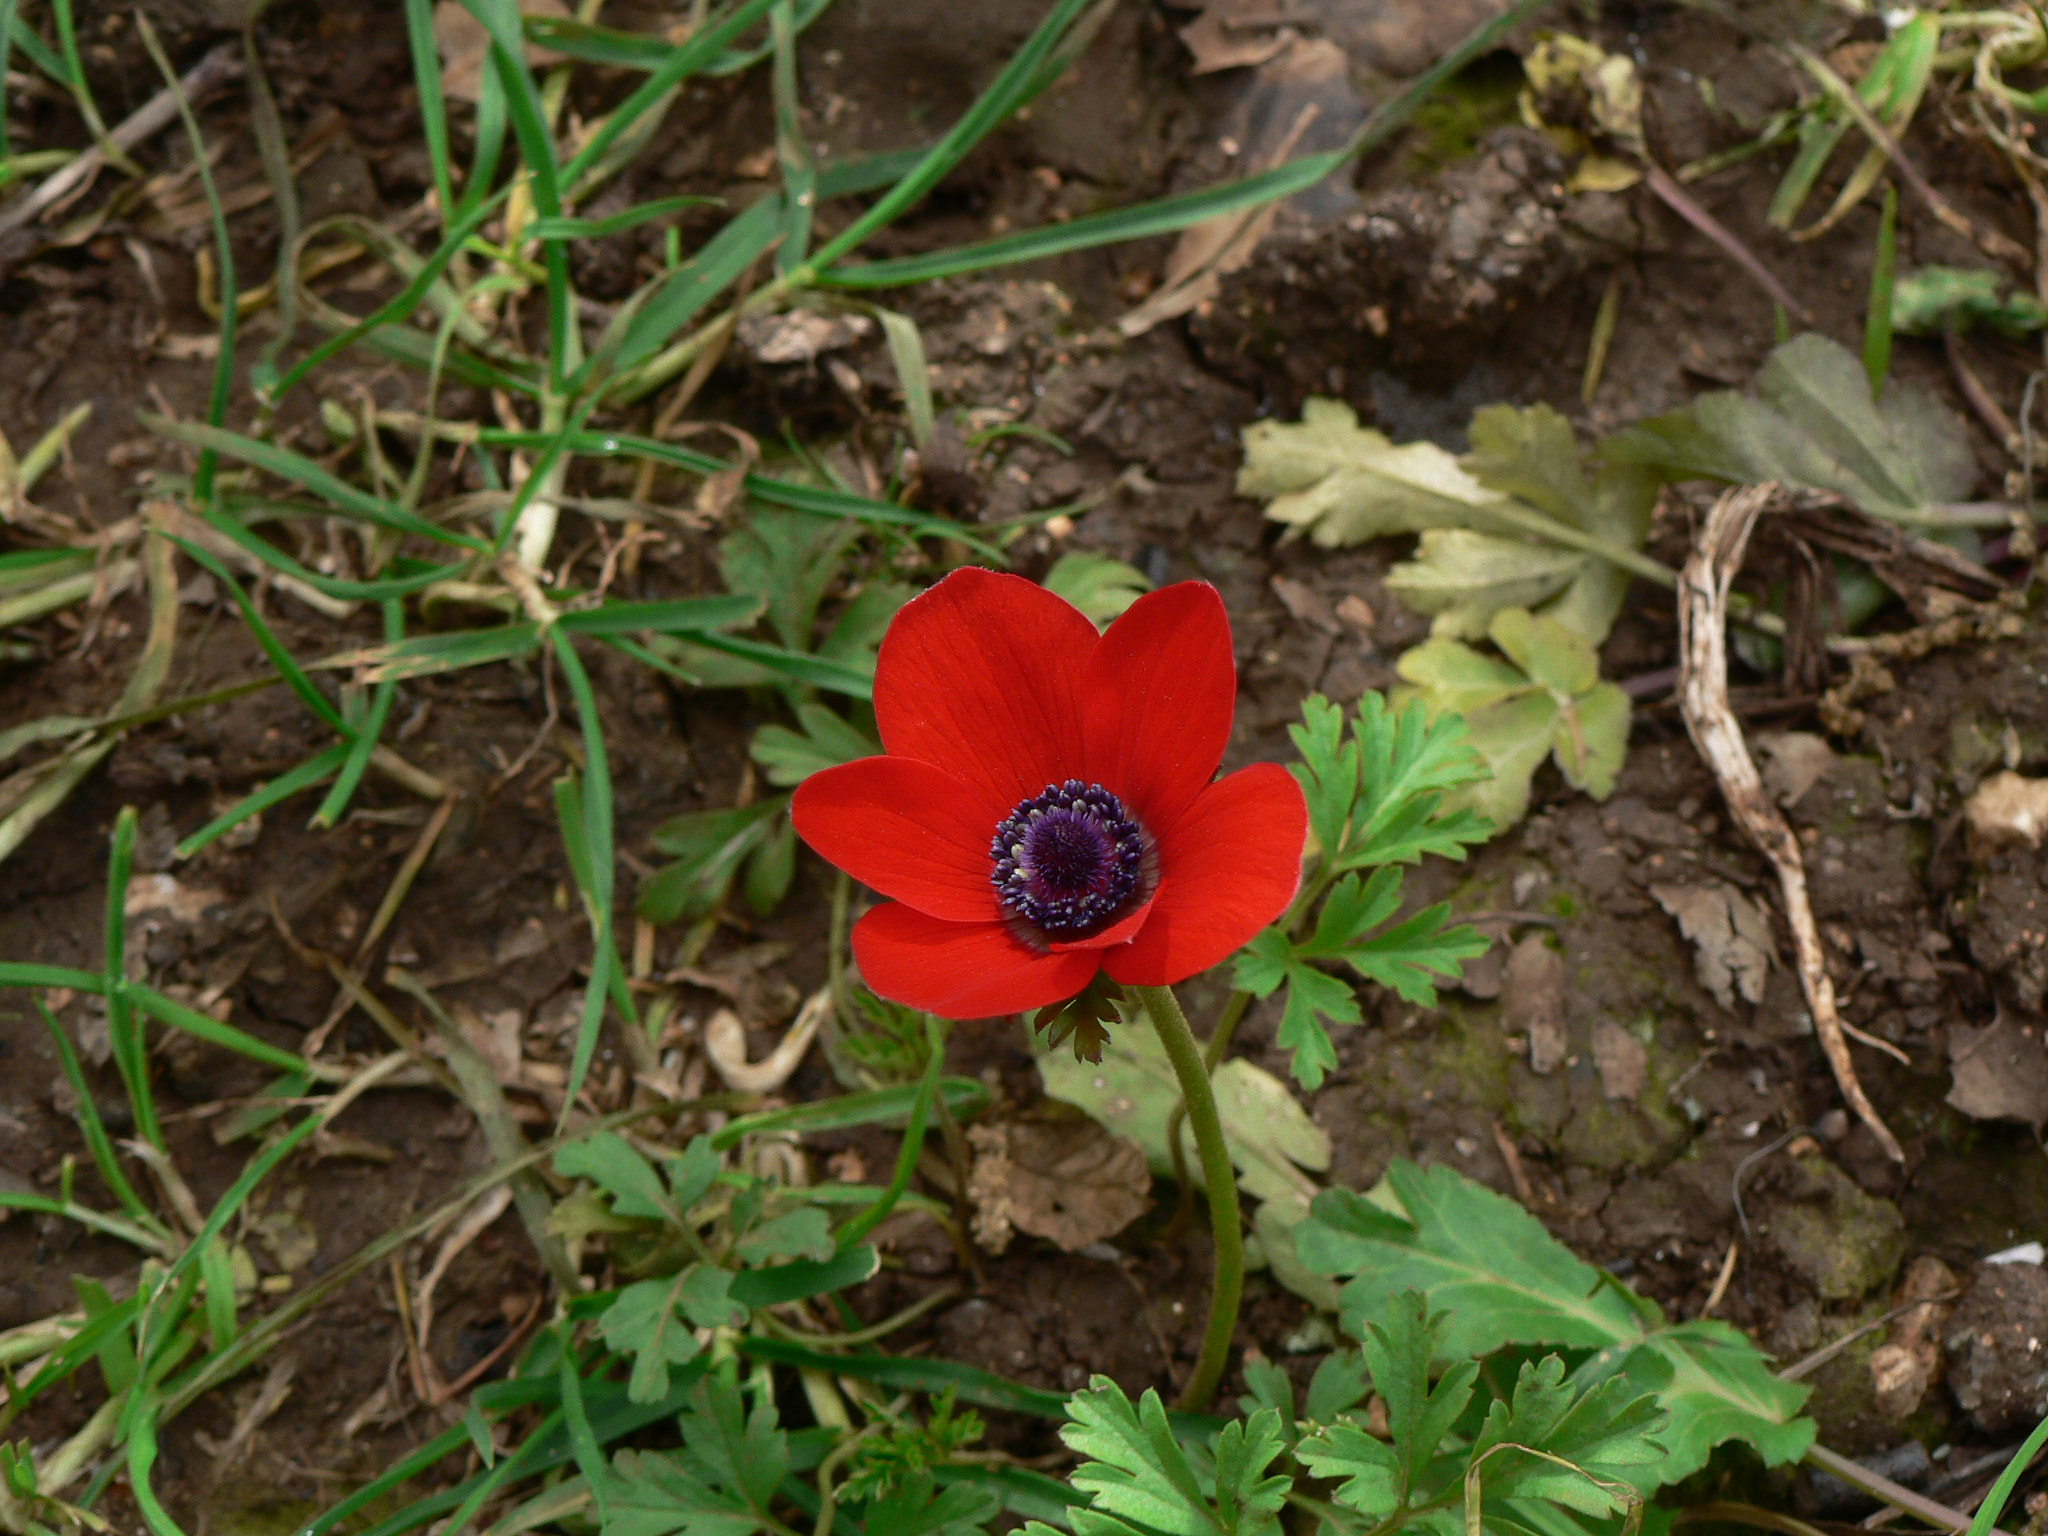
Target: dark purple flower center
{"x":1067,"y":860}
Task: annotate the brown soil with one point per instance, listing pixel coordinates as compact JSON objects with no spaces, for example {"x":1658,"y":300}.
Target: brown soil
{"x":1416,"y":302}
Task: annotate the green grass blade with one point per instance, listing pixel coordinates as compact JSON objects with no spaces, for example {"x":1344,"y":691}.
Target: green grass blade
{"x":1877,"y":318}
{"x":797,"y":666}
{"x":169,"y":1011}
{"x":224,"y":255}
{"x":281,"y":788}
{"x":1161,"y":216}
{"x":472,"y":217}
{"x":826,"y":501}
{"x":686,"y":291}
{"x":127,"y":1040}
{"x":792,"y":149}
{"x":537,"y":149}
{"x":432,"y":655}
{"x":589,"y":835}
{"x":2001,"y":1491}
{"x":679,"y":616}
{"x":1019,"y":80}
{"x":913,"y":1145}
{"x":295,"y":677}
{"x":303,"y":472}
{"x":90,"y":1125}
{"x":676,"y":64}
{"x":872,"y":1106}
{"x":426,"y":79}
{"x":219,"y":1281}
{"x":489,"y":133}
{"x":568,"y":228}
{"x":421,"y":577}
{"x":365,"y":744}
{"x":15,"y":973}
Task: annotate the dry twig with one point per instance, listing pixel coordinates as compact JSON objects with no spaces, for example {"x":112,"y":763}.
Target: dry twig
{"x":1703,"y":698}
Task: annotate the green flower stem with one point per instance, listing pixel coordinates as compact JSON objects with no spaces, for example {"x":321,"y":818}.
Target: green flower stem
{"x":1226,"y":1223}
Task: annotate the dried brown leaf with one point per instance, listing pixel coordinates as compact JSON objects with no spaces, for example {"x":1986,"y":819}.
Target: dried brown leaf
{"x":1532,"y":995}
{"x":1731,"y":936}
{"x":1069,"y":1181}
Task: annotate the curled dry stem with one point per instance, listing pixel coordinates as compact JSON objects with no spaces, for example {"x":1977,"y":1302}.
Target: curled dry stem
{"x":1703,"y":697}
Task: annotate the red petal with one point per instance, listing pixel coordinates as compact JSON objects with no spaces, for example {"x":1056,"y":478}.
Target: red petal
{"x":907,"y":829}
{"x":982,"y":676}
{"x":961,"y":970}
{"x":1119,"y":932}
{"x":1227,"y":868}
{"x":1158,"y":697}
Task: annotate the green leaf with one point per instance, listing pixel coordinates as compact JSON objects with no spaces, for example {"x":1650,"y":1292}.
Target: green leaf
{"x":823,"y":739}
{"x":1606,"y":1433}
{"x":1270,"y":962}
{"x":1480,"y":1258}
{"x":1328,"y":769}
{"x":1343,"y":484}
{"x":1716,"y":1386}
{"x":608,"y":1160}
{"x":857,"y":632}
{"x":1546,"y":699}
{"x":787,"y":559}
{"x":1101,"y":587}
{"x":1400,"y":1344}
{"x":647,"y":1321}
{"x":1339,"y":1384}
{"x":1412,"y":956}
{"x":1813,"y":424}
{"x":799,"y":1234}
{"x":1464,"y":578}
{"x":770,"y":869}
{"x":913,"y":1507}
{"x":1132,"y":1090}
{"x":1930,"y":301}
{"x":719,"y":1484}
{"x":1370,"y":1468}
{"x":1409,"y":762}
{"x":1138,"y":1474}
{"x":707,"y":848}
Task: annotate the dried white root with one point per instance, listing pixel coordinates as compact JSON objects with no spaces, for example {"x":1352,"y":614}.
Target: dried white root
{"x":1703,"y":697}
{"x":725,"y":1042}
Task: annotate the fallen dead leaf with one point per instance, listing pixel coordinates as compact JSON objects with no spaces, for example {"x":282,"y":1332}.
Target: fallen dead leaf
{"x":2008,"y":808}
{"x":1623,"y":1061}
{"x":799,"y":335}
{"x":1230,"y":34}
{"x":2000,"y":1072}
{"x":1731,"y":936}
{"x":1070,"y":1181}
{"x":464,"y":45}
{"x":1793,"y":762}
{"x":725,"y":1042}
{"x":163,"y":893}
{"x":1305,"y":604}
{"x":1532,"y":995}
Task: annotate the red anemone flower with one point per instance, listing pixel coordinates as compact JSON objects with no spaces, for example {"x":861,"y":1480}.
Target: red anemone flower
{"x":1044,"y":807}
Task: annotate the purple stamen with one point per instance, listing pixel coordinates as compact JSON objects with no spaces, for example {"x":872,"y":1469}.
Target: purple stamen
{"x":1067,"y":860}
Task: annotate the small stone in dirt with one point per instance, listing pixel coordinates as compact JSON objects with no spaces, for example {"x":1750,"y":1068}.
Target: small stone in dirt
{"x":1533,"y":1001}
{"x":1070,"y":1181}
{"x":1357,"y":612}
{"x":1828,"y":1232}
{"x":1730,"y":934}
{"x":2007,"y":809}
{"x":1623,"y":1060}
{"x":1902,"y":1367}
{"x":799,"y":335}
{"x":2000,"y":1071}
{"x":1997,"y":1340}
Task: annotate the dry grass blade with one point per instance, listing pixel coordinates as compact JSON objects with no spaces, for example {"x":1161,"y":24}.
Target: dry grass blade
{"x":1993,"y":244}
{"x":31,"y":794}
{"x":152,"y":117}
{"x":1703,"y":697}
